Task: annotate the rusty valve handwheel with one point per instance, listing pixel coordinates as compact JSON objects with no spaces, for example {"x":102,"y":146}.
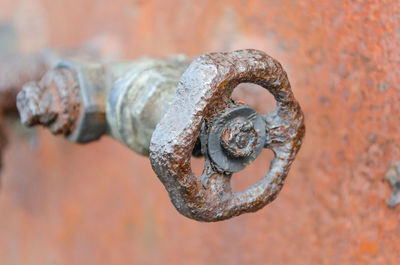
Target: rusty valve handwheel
{"x":126,"y":100}
{"x":231,"y":135}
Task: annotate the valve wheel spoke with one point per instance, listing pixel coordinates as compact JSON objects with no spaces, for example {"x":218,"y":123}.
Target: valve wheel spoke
{"x":276,"y":130}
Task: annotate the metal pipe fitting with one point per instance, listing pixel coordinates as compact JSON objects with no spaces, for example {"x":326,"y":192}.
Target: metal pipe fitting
{"x":137,"y":101}
{"x":85,"y":100}
{"x":170,"y":110}
{"x":18,"y":69}
{"x":71,"y":99}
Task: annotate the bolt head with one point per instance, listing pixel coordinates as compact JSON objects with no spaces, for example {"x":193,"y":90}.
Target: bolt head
{"x":236,"y":138}
{"x":239,"y":138}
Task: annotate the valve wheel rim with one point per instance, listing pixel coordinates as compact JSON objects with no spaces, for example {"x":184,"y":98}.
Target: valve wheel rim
{"x":204,"y":91}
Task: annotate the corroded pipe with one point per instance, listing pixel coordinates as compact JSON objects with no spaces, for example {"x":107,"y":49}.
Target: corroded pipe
{"x":84,"y":100}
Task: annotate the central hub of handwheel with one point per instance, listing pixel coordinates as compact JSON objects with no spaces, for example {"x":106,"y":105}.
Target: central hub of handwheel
{"x":239,"y":138}
{"x":236,"y":138}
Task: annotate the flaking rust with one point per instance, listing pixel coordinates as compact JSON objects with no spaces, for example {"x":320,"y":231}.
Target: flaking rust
{"x":53,"y":102}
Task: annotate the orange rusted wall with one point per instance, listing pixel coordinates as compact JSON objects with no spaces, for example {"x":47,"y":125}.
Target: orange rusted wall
{"x":61,"y":203}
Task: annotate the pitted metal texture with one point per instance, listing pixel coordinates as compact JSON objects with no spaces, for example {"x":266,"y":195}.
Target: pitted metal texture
{"x":53,"y":102}
{"x":71,"y":98}
{"x":204,"y":91}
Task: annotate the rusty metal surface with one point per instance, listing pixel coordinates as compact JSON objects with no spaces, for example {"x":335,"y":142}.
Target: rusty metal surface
{"x":54,"y":102}
{"x":70,"y":100}
{"x":204,"y":91}
{"x":341,"y":57}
